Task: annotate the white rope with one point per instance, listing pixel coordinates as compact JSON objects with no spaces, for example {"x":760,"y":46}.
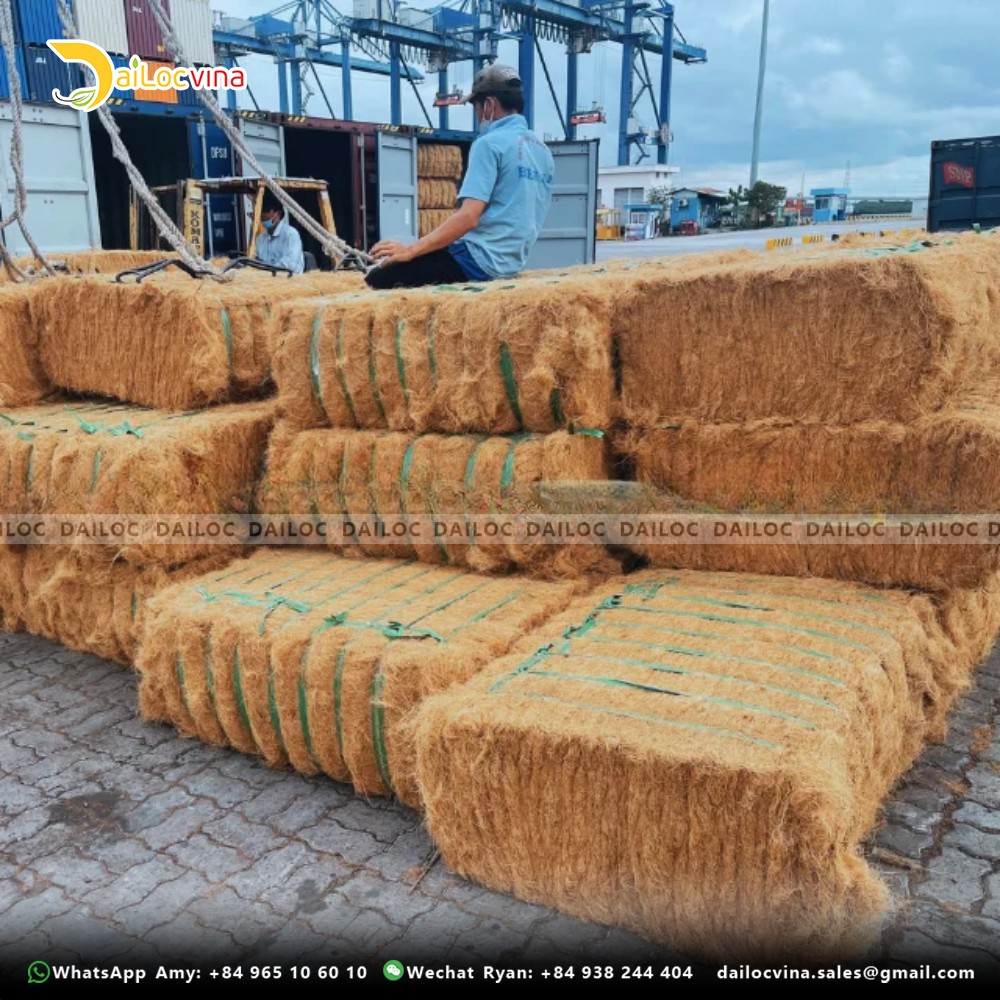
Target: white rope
{"x":332,"y":245}
{"x":166,"y":226}
{"x":16,"y":152}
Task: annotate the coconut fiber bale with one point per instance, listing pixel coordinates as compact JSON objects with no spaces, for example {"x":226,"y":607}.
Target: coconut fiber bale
{"x":439,"y":161}
{"x":436,"y":193}
{"x":446,"y":487}
{"x":431,"y":218}
{"x":695,"y":757}
{"x":316,"y":661}
{"x":72,"y":457}
{"x":880,"y":334}
{"x":170,"y":342}
{"x":495,"y":359}
{"x":11,"y":587}
{"x":21,"y":377}
{"x":96,"y":609}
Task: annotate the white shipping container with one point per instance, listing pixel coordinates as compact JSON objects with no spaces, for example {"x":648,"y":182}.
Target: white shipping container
{"x":103,"y":23}
{"x":192,"y":20}
{"x":366,"y":10}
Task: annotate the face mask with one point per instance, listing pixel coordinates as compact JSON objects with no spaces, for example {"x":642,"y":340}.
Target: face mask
{"x":270,"y":225}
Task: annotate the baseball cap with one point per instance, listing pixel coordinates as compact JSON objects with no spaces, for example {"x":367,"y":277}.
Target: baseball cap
{"x":494,"y":81}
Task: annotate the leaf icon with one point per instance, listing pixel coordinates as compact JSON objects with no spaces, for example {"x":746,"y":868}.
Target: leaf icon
{"x":83,"y":98}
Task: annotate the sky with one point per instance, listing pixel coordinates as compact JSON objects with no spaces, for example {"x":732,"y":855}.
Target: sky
{"x":869,"y":83}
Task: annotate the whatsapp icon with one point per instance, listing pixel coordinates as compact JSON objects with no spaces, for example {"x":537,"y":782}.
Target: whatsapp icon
{"x":38,"y":972}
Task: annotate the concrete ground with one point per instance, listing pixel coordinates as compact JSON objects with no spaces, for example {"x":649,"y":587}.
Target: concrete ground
{"x":718,"y":240}
{"x":123,"y":844}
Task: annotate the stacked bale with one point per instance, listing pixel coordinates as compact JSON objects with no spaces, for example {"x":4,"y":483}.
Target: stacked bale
{"x":21,"y":378}
{"x":170,"y":342}
{"x":317,"y":662}
{"x":697,"y":756}
{"x":439,"y":171}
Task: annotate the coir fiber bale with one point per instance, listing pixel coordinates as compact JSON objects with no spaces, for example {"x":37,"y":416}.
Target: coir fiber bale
{"x":96,"y":458}
{"x":497,"y":358}
{"x":436,"y":161}
{"x":431,"y":218}
{"x":457,"y":482}
{"x":941,"y":464}
{"x":99,"y":610}
{"x":11,"y":587}
{"x":695,"y":757}
{"x":839,"y":337}
{"x":88,"y":262}
{"x":432,"y":193}
{"x":170,"y":342}
{"x":312,"y":660}
{"x":21,"y":377}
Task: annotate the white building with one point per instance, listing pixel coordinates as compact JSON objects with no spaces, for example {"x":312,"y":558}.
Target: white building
{"x":620,"y":186}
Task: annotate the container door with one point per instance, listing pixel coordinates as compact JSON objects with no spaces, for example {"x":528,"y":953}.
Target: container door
{"x":569,"y":235}
{"x":965,"y":184}
{"x":267,"y":143}
{"x":397,"y":186}
{"x":59,"y":175}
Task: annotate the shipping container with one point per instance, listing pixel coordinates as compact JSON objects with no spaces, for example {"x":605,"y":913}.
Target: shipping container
{"x":120,"y":96}
{"x":46,"y":72}
{"x":156,"y":96}
{"x":144,"y":36}
{"x":192,"y":20}
{"x":883,"y":206}
{"x":212,"y":157}
{"x":4,"y":81}
{"x":38,"y":21}
{"x":189,"y":97}
{"x":103,"y":23}
{"x":965,"y":184}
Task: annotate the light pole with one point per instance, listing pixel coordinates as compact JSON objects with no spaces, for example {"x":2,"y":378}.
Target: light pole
{"x":755,"y":162}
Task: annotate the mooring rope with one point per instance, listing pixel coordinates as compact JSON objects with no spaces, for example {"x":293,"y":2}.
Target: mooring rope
{"x":332,"y":245}
{"x":16,"y":152}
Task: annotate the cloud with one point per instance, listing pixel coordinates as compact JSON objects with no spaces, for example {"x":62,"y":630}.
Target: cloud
{"x":896,"y":66}
{"x":822,"y":46}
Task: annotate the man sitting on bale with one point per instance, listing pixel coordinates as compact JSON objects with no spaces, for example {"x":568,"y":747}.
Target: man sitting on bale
{"x":280,"y":245}
{"x":503,"y":201}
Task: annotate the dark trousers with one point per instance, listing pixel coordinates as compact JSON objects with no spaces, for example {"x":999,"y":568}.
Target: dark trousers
{"x":437,"y":268}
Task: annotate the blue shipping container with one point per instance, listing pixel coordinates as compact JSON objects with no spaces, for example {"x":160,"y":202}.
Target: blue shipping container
{"x":965,"y":184}
{"x":38,"y":20}
{"x":220,"y":163}
{"x":121,"y":62}
{"x":45,"y":72}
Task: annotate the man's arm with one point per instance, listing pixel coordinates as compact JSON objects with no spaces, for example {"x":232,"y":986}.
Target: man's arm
{"x":453,"y":228}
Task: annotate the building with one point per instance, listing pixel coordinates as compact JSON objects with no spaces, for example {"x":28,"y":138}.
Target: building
{"x":830,"y":204}
{"x":700,"y":205}
{"x":621,"y":186}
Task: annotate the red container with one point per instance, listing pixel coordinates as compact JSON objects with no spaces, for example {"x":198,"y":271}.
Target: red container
{"x":144,"y":36}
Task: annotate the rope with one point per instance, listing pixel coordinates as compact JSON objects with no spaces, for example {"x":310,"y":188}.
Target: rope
{"x":16,"y":152}
{"x":166,"y":226}
{"x":332,"y":245}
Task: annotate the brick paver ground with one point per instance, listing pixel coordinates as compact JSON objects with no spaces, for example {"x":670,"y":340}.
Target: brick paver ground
{"x":123,"y":844}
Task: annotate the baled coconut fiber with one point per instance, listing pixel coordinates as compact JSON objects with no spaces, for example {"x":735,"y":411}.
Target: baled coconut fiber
{"x":97,"y":458}
{"x":431,"y":218}
{"x":697,"y":756}
{"x":437,"y":161}
{"x":11,"y":587}
{"x":90,"y":262}
{"x":21,"y":377}
{"x":943,"y":464}
{"x":496,"y":358}
{"x":432,"y":193}
{"x":312,"y":660}
{"x":171,"y":342}
{"x":840,"y":337}
{"x":95,"y":609}
{"x":447,"y":483}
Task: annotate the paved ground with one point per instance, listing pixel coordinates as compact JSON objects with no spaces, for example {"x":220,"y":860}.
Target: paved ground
{"x":122,"y":844}
{"x":752,"y":240}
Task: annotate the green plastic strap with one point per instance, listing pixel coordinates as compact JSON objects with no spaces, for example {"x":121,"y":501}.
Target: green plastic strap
{"x":373,"y":490}
{"x":135,"y":605}
{"x":451,"y":601}
{"x":342,"y":488}
{"x":654,"y":689}
{"x":25,"y":436}
{"x":401,"y":363}
{"x":373,"y":371}
{"x":510,"y":382}
{"x":404,"y":480}
{"x":338,"y":699}
{"x":179,"y":668}
{"x":272,"y":705}
{"x":29,"y":472}
{"x":304,"y":706}
{"x":639,"y":717}
{"x":240,"y":700}
{"x":378,"y":728}
{"x":555,"y":405}
{"x":125,"y":428}
{"x":314,"y":365}
{"x":85,"y":425}
{"x":485,"y":613}
{"x":586,"y":432}
{"x":9,"y":420}
{"x":227,"y":331}
{"x":341,"y":376}
{"x":391,"y":630}
{"x":275,"y":602}
{"x":95,"y":471}
{"x":431,"y":350}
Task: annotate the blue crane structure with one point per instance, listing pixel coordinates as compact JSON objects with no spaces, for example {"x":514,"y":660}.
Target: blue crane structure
{"x":387,"y":38}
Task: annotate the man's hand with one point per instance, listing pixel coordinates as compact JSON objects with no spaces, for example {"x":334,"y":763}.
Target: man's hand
{"x":392,"y":252}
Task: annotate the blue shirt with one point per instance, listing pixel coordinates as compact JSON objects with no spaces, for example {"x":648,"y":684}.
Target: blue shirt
{"x":511,"y":170}
{"x":282,"y":248}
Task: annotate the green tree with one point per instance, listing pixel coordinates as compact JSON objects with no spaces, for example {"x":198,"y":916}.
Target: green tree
{"x":660,"y":194}
{"x":763,"y":199}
